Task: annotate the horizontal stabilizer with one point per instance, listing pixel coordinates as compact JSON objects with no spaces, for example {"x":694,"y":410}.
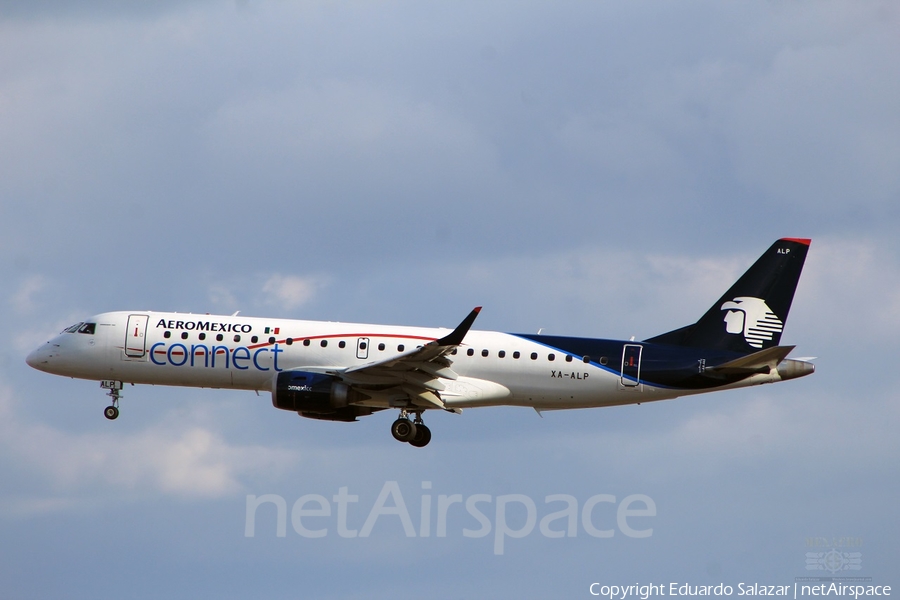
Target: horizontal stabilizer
{"x":763,"y":361}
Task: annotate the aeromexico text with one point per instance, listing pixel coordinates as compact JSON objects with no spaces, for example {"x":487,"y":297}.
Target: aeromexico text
{"x":205,"y":326}
{"x":264,"y":358}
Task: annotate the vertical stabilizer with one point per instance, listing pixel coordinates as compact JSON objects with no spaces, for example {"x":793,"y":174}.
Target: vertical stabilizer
{"x":752,"y":313}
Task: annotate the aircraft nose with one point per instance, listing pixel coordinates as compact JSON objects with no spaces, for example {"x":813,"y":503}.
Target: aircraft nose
{"x":39,"y":358}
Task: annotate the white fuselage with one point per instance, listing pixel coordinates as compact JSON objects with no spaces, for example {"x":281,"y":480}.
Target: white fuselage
{"x":246,"y":353}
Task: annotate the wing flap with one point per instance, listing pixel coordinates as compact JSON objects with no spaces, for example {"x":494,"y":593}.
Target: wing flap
{"x":422,"y":380}
{"x":436,"y":370}
{"x":424,"y":398}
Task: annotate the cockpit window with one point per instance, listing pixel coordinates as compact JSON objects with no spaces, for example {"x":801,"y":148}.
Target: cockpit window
{"x":87,"y":328}
{"x":73,"y":328}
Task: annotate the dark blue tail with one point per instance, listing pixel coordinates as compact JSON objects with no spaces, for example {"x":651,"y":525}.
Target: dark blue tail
{"x":752,"y":313}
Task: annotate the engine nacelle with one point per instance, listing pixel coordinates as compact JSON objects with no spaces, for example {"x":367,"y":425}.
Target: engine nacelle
{"x":317,"y":396}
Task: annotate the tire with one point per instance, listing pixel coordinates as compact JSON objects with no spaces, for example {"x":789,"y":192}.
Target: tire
{"x":403,"y":430}
{"x":422,"y":437}
{"x":111,"y":412}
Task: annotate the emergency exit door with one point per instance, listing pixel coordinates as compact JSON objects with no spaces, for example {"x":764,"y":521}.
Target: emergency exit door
{"x":362,"y":348}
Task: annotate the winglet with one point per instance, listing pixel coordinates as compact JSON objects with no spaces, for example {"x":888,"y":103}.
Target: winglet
{"x":456,"y":337}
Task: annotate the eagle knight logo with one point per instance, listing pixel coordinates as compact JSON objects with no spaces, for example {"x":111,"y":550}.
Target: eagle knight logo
{"x":752,"y":318}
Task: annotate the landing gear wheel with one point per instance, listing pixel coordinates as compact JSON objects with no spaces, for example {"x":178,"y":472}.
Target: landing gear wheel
{"x":403,"y":430}
{"x":422,"y":437}
{"x":115,"y":392}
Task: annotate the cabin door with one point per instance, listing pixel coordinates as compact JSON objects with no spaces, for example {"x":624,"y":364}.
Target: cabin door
{"x":136,"y":336}
{"x":631,"y":365}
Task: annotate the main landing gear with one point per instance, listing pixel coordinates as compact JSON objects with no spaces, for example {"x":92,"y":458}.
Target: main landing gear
{"x":414,"y":432}
{"x":114,"y":387}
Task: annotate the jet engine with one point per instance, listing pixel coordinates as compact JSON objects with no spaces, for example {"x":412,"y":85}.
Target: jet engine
{"x":318,"y":396}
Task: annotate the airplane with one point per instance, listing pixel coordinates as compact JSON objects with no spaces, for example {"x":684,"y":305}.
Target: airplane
{"x":342,"y":371}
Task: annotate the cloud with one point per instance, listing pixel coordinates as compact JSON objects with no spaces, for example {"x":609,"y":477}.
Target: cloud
{"x":277,"y":291}
{"x":24,"y":299}
{"x":341,"y":139}
{"x":104,"y":9}
{"x":178,"y":457}
{"x":290,"y":291}
{"x":223,"y":298}
{"x":585,"y":291}
{"x":793,"y":434}
{"x":849,"y":291}
{"x":819,"y":125}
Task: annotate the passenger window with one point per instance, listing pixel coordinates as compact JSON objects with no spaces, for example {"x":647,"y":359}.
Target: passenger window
{"x":484,"y":352}
{"x":470,"y":351}
{"x":400,"y":348}
{"x":363,"y":345}
{"x":237,"y":338}
{"x":603,"y":360}
{"x":219,"y":337}
{"x":306,"y":342}
{"x":453,"y":352}
{"x":289,"y":341}
{"x":568,"y":358}
{"x":342,"y":344}
{"x":381,"y":346}
{"x":271,"y":340}
{"x":254,"y":339}
{"x":551,"y":357}
{"x":587,"y":358}
{"x":184,"y":335}
{"x":502,"y":353}
{"x":167,"y":334}
{"x":323,"y":343}
{"x":516,"y":354}
{"x":202,"y":336}
{"x":534,"y":356}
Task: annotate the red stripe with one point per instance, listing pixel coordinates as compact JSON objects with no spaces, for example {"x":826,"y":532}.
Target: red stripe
{"x":347,"y":335}
{"x":318,"y":337}
{"x":804,"y":241}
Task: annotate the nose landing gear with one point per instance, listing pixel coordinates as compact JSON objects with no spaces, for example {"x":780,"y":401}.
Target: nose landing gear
{"x":414,"y":432}
{"x":114,"y":387}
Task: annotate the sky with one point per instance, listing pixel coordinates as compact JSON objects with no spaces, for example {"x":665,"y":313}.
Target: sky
{"x":601,"y":169}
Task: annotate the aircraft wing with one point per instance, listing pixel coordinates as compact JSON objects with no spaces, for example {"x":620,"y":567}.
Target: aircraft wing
{"x":417,"y":373}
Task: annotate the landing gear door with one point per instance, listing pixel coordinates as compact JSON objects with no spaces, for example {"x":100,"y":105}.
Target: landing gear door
{"x":362,"y":348}
{"x":631,"y":366}
{"x":136,"y":336}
